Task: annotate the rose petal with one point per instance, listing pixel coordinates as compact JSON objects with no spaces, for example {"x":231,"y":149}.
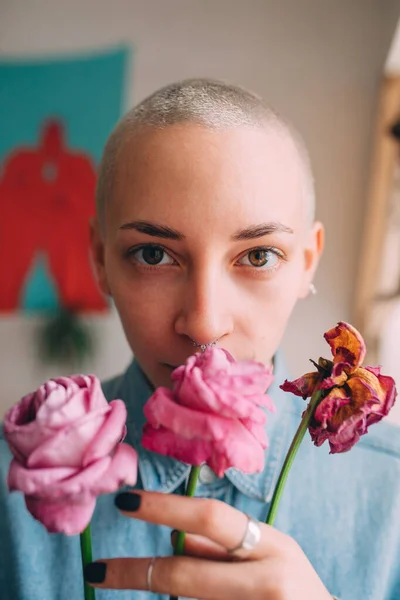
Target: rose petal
{"x":67,"y":447}
{"x":58,"y":482}
{"x":69,"y":517}
{"x":161,"y":410}
{"x":239,"y":449}
{"x":329,"y":408}
{"x":83,"y":482}
{"x":244,"y":379}
{"x":121,"y":471}
{"x":257,"y":430}
{"x":388,"y":385}
{"x":250,"y":387}
{"x":366,"y":396}
{"x":347,"y":345}
{"x":222,"y":398}
{"x":343,"y":440}
{"x":338,"y":376}
{"x":60,"y":410}
{"x":109,"y":434}
{"x":16,"y":453}
{"x":20,"y":429}
{"x":211,"y":383}
{"x":303,"y":386}
{"x":168,"y":443}
{"x":21,"y":414}
{"x":34,"y":481}
{"x":383,"y":385}
{"x":70,"y":399}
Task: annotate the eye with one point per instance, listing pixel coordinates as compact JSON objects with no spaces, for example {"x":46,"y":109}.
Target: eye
{"x":151,"y":255}
{"x":261,"y":257}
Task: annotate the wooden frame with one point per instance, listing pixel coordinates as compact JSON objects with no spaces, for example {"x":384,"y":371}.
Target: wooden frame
{"x":385,"y":154}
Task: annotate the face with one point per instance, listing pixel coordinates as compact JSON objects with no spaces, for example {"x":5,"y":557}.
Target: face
{"x":206,"y":238}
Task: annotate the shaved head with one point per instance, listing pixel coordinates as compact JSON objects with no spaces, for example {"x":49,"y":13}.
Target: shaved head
{"x":205,"y":231}
{"x":211,"y":104}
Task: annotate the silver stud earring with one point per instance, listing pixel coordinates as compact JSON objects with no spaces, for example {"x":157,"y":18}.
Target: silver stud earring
{"x":313,"y":289}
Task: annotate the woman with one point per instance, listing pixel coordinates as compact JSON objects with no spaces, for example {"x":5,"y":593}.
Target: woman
{"x":205,"y":234}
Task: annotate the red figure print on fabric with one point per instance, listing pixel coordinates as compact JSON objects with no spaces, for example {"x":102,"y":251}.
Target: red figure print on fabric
{"x":47,"y":196}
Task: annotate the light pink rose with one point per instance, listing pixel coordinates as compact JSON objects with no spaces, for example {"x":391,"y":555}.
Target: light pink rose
{"x":65,"y":438}
{"x":214,"y":414}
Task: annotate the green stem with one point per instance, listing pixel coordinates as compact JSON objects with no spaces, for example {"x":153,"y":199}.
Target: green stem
{"x":190,"y":491}
{"x":291,"y":455}
{"x":86,"y":554}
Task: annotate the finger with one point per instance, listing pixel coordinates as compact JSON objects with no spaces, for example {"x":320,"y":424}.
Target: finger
{"x":182,"y":576}
{"x":201,"y":547}
{"x":213,"y":519}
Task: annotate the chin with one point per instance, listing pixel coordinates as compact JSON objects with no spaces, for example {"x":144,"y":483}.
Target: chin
{"x":160,"y":376}
{"x":164,"y":381}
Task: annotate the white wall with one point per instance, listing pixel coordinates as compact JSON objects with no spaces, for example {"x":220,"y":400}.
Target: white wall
{"x":392,"y":65}
{"x":318,"y":61}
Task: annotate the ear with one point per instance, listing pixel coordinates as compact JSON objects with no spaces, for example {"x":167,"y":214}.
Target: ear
{"x":98,"y":252}
{"x":315,"y":242}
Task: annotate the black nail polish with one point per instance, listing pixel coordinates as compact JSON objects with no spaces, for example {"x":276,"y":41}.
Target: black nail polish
{"x":95,"y":572}
{"x":174,"y":533}
{"x":128,"y":501}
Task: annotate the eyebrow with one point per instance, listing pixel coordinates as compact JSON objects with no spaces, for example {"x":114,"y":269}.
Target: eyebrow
{"x":249,"y":233}
{"x":257,"y":231}
{"x":154,"y":230}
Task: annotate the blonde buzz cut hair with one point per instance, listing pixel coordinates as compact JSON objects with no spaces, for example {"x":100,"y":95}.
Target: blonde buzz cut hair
{"x":212,"y":104}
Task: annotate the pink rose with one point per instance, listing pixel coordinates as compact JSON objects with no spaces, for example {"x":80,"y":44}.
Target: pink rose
{"x":213,"y":414}
{"x":65,"y":441}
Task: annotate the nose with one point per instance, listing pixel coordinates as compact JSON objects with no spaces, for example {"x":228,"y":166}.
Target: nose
{"x":204,"y":314}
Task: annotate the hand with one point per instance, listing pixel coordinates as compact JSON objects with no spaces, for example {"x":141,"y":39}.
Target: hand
{"x":277,"y":569}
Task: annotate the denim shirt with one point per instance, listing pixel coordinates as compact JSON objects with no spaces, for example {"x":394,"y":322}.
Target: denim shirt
{"x":343,"y":510}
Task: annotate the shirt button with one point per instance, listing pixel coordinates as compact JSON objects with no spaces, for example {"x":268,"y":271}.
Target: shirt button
{"x":206,"y":475}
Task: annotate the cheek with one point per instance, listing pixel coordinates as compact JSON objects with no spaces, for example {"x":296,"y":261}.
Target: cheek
{"x":278,"y":295}
{"x":145,"y":311}
{"x":269,"y":314}
{"x":268,"y":309}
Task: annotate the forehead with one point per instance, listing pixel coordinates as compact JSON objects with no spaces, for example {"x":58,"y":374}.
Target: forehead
{"x":236,"y":177}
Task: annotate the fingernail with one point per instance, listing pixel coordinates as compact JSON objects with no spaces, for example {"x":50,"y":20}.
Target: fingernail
{"x":128,"y":501}
{"x":174,"y":533}
{"x":95,"y":572}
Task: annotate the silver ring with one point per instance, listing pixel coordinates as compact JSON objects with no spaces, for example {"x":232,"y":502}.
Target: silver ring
{"x":150,"y":573}
{"x":203,"y":347}
{"x":251,"y":537}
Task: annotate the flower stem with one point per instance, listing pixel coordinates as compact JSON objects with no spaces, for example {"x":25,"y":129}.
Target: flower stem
{"x":291,"y":455}
{"x":190,"y":490}
{"x":86,"y":554}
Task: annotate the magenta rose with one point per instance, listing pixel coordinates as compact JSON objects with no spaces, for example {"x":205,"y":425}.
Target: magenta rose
{"x":213,"y":415}
{"x":65,"y":439}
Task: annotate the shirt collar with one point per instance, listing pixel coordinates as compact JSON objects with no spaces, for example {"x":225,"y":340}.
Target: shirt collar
{"x":160,"y":473}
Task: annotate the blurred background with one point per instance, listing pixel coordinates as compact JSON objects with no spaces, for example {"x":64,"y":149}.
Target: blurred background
{"x":68,"y":70}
